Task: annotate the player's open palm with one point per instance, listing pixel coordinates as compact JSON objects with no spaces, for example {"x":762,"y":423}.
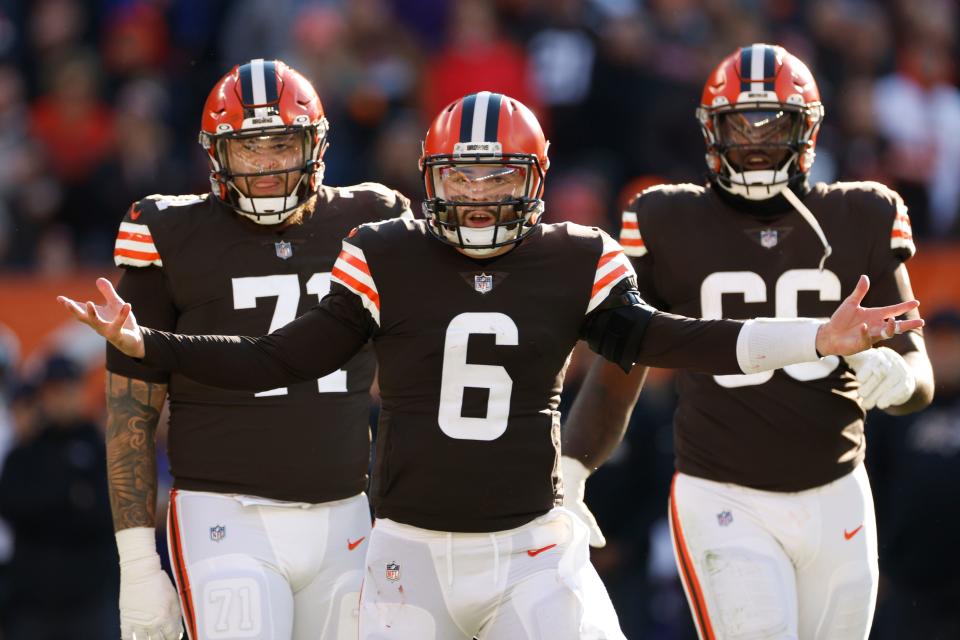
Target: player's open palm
{"x":113,"y":319}
{"x":853,"y":328}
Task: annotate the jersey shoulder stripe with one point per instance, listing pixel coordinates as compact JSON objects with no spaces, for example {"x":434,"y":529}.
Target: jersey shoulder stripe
{"x":352,"y":272}
{"x":630,"y":237}
{"x":901,"y":236}
{"x":134,"y":247}
{"x":136,"y":244}
{"x":612,"y":268}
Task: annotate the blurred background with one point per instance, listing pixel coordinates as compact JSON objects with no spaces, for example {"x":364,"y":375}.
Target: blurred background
{"x":100,"y":105}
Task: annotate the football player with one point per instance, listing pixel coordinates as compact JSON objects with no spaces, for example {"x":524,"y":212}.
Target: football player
{"x":770,"y":509}
{"x":268,"y":521}
{"x":473,"y":313}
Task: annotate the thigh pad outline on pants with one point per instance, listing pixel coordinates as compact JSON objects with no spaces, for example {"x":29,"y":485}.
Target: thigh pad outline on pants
{"x":236,"y":598}
{"x":747,"y":593}
{"x":849,"y":605}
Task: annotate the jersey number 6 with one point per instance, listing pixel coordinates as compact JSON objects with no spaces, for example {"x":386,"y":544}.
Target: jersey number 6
{"x":458,"y":375}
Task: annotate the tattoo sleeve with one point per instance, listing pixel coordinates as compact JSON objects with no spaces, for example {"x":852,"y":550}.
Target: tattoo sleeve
{"x":133,"y":411}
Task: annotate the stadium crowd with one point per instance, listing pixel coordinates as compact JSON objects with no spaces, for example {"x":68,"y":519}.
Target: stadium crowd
{"x":98,"y":107}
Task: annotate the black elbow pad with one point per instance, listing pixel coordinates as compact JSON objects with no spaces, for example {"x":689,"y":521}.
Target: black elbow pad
{"x":616,"y":332}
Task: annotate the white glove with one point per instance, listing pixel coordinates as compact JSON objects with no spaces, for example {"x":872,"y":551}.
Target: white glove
{"x":886,"y":380}
{"x":149,"y":608}
{"x":574,"y":475}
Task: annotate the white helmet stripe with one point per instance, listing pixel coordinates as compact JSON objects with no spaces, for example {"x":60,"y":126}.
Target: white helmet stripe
{"x":258,"y":81}
{"x":478,"y":130}
{"x":756,"y":66}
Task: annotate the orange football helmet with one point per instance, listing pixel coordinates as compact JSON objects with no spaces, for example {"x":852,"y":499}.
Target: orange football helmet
{"x":255,"y":103}
{"x":760,"y":113}
{"x":482,"y":139}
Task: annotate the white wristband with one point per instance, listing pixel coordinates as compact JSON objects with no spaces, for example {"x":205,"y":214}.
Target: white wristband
{"x":137,"y":546}
{"x":773,"y":343}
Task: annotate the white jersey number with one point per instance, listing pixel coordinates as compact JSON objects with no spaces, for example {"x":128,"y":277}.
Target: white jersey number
{"x":754,"y":289}
{"x":286,"y":289}
{"x":458,"y":375}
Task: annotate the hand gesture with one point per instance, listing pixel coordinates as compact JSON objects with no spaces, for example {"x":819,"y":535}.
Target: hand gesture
{"x":853,"y":328}
{"x":113,"y":320}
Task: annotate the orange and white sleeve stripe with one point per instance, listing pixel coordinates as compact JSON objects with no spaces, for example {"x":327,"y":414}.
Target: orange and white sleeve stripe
{"x":901,"y":237}
{"x":630,"y":237}
{"x":351,"y":271}
{"x":134,"y":247}
{"x":612,"y":267}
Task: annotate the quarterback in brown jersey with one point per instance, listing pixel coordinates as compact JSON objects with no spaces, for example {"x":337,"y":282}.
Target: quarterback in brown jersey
{"x":770,"y":509}
{"x":268,"y":520}
{"x":473,"y":313}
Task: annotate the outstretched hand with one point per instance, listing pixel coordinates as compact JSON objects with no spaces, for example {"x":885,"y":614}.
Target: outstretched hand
{"x":853,"y":328}
{"x":113,"y":320}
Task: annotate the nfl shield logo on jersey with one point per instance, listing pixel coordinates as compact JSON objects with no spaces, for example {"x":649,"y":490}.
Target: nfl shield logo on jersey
{"x":393,"y":571}
{"x":724,"y":518}
{"x":284,"y":250}
{"x":218,"y":533}
{"x":769,"y":238}
{"x":483,"y":283}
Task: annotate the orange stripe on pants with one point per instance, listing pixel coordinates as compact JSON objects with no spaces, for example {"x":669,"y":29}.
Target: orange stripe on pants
{"x":180,"y":569}
{"x":688,"y":575}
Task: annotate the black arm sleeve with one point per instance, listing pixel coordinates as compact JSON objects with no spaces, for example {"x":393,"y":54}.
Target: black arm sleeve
{"x":626,"y":331}
{"x":314,"y":345}
{"x":678,"y":342}
{"x":146,"y":290}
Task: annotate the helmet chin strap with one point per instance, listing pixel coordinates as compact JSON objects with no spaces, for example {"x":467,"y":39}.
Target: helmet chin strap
{"x":265,"y":208}
{"x":807,"y":215}
{"x":483,"y":237}
{"x":267,"y":211}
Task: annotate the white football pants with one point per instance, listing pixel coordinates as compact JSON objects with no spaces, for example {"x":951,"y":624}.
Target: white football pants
{"x":248,"y":567}
{"x":534,"y":582}
{"x":761,"y":565}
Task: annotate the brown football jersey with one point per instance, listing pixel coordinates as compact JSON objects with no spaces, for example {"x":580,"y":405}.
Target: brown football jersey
{"x":194,"y":266}
{"x":472,"y":356}
{"x":795,"y":428}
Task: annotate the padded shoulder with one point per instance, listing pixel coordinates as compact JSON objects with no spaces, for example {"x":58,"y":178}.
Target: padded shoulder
{"x":144,"y":222}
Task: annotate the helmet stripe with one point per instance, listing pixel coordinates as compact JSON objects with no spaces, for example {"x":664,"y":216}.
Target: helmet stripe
{"x":756,"y":67}
{"x":270,"y":81}
{"x":745,"y":69}
{"x":258,"y":82}
{"x":479,"y":126}
{"x":493,"y":117}
{"x":769,"y":68}
{"x":466,"y":117}
{"x":246,"y":85}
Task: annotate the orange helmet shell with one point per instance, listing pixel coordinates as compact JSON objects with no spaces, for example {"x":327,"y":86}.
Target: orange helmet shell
{"x":265,"y":95}
{"x":490,"y":125}
{"x":761,"y":76}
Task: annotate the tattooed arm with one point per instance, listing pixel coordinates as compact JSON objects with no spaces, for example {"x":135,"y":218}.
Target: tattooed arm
{"x":133,"y":411}
{"x":148,"y":601}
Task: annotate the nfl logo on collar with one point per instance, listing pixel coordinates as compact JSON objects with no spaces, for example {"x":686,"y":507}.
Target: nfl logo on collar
{"x":483,"y":283}
{"x":769,"y":238}
{"x":284,"y":250}
{"x":218,"y":533}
